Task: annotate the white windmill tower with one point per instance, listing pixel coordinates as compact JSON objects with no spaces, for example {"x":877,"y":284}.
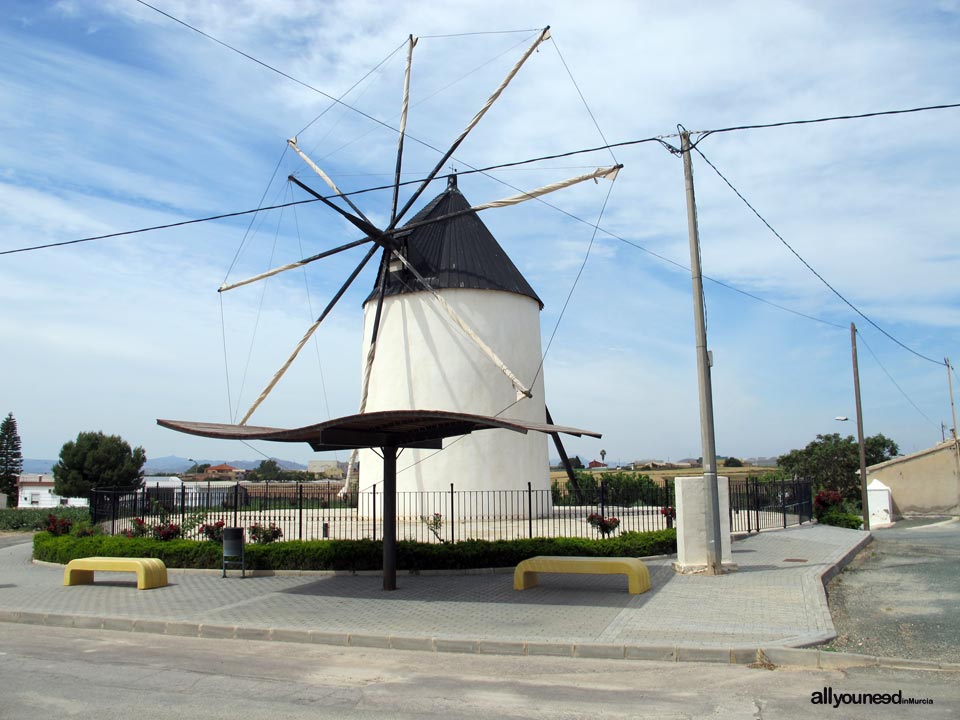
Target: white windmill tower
{"x":451,"y":323}
{"x":427,"y":359}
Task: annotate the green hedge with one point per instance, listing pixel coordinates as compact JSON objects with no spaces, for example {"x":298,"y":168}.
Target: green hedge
{"x":842,"y":519}
{"x":352,"y":555}
{"x":30,"y":519}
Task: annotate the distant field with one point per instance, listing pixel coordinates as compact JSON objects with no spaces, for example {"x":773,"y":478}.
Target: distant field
{"x":740,"y":472}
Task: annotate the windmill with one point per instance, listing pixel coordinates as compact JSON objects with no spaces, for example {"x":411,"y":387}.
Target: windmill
{"x":458,"y":322}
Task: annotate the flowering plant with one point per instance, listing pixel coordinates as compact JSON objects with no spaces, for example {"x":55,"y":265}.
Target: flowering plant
{"x":825,"y":500}
{"x":668,"y":512}
{"x":604,"y":525}
{"x":166,"y":531}
{"x":138,"y":528}
{"x":58,"y":526}
{"x":265,"y":534}
{"x":213,"y":531}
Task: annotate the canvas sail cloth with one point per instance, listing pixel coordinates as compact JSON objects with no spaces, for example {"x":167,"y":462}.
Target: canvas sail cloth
{"x":424,"y":360}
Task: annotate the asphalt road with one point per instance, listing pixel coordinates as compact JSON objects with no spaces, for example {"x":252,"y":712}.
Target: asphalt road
{"x":900,"y":597}
{"x":9,"y":539}
{"x":65,"y":673}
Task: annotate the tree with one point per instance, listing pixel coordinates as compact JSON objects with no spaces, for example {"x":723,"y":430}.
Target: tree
{"x":733,"y":462}
{"x":97,"y":460}
{"x":268,"y":471}
{"x":833,"y":462}
{"x":11,"y":460}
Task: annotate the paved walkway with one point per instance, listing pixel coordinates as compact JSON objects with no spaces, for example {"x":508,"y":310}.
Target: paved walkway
{"x":776,"y":600}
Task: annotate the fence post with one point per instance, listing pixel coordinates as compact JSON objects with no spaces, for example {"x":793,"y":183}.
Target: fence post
{"x":374,"y":496}
{"x":783,"y":501}
{"x":529,"y":509}
{"x":748,"y":508}
{"x":113,"y":513}
{"x":603,"y":498}
{"x":236,"y":503}
{"x":453,"y":515}
{"x":300,"y":509}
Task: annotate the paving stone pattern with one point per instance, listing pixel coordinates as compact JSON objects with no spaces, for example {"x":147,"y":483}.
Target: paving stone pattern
{"x":769,"y":602}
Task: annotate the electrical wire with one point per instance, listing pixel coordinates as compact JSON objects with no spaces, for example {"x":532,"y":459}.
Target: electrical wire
{"x":156,"y":227}
{"x":880,"y":113}
{"x":887,"y":372}
{"x":809,"y":266}
{"x":573,"y":80}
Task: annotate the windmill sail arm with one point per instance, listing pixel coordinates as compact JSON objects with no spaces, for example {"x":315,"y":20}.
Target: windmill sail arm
{"x":294,"y":265}
{"x":326,"y":178}
{"x":293,"y":356}
{"x":522,"y":390}
{"x":543,"y":36}
{"x":404,"y":110}
{"x":608,"y":173}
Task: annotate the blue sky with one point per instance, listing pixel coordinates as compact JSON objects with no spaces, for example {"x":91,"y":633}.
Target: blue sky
{"x":116,"y":118}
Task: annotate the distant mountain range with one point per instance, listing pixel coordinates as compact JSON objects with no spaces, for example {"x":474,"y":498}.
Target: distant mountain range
{"x":171,"y":464}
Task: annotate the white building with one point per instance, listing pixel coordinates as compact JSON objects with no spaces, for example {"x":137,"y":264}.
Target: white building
{"x":36,"y":491}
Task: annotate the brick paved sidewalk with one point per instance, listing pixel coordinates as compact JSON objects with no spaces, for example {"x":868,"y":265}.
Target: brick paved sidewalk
{"x":776,"y":599}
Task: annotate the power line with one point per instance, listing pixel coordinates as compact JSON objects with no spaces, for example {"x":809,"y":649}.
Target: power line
{"x":265,"y":65}
{"x":704,"y":133}
{"x":156,"y":227}
{"x":902,"y":392}
{"x":808,"y":265}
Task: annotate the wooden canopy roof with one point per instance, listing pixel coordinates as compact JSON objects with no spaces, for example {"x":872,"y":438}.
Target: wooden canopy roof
{"x":392,"y":428}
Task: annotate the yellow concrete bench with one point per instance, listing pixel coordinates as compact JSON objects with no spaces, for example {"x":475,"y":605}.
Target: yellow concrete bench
{"x":151,"y":572}
{"x":638,"y":577}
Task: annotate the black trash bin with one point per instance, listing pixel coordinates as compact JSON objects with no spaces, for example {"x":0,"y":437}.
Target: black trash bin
{"x":233,"y":548}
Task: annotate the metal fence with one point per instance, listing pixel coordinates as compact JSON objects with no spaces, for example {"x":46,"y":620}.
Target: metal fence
{"x":756,"y":506}
{"x":308,"y":511}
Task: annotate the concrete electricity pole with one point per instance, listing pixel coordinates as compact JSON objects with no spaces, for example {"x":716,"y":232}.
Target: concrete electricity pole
{"x":707,"y":439}
{"x":863,"y":450}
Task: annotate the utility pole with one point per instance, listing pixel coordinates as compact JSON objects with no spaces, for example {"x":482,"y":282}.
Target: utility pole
{"x":707,"y":438}
{"x":863,"y":450}
{"x":953,"y":409}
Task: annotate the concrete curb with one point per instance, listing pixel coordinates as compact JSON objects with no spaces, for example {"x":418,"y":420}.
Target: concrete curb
{"x":769,"y":657}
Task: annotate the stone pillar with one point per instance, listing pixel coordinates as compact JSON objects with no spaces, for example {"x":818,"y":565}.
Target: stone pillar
{"x":692,"y":525}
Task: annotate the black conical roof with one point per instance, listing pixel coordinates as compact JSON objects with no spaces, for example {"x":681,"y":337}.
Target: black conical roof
{"x":459,"y":252}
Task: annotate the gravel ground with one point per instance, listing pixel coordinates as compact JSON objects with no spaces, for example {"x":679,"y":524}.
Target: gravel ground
{"x":900,"y":597}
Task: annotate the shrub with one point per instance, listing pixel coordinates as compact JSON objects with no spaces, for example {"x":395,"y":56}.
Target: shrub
{"x":30,"y":519}
{"x":58,"y":526}
{"x":842,"y":519}
{"x":166,"y":531}
{"x":138,"y":528}
{"x":214,"y":531}
{"x":85,"y":529}
{"x":353,"y":555}
{"x":263,"y":535}
{"x":825,"y":502}
{"x":604,"y":525}
{"x":623,"y":489}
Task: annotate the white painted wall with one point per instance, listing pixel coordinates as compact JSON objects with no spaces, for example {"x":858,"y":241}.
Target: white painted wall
{"x":424,"y":362}
{"x":36,"y":491}
{"x":924,"y":483}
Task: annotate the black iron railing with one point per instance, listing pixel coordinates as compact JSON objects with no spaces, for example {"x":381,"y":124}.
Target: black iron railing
{"x":308,"y":511}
